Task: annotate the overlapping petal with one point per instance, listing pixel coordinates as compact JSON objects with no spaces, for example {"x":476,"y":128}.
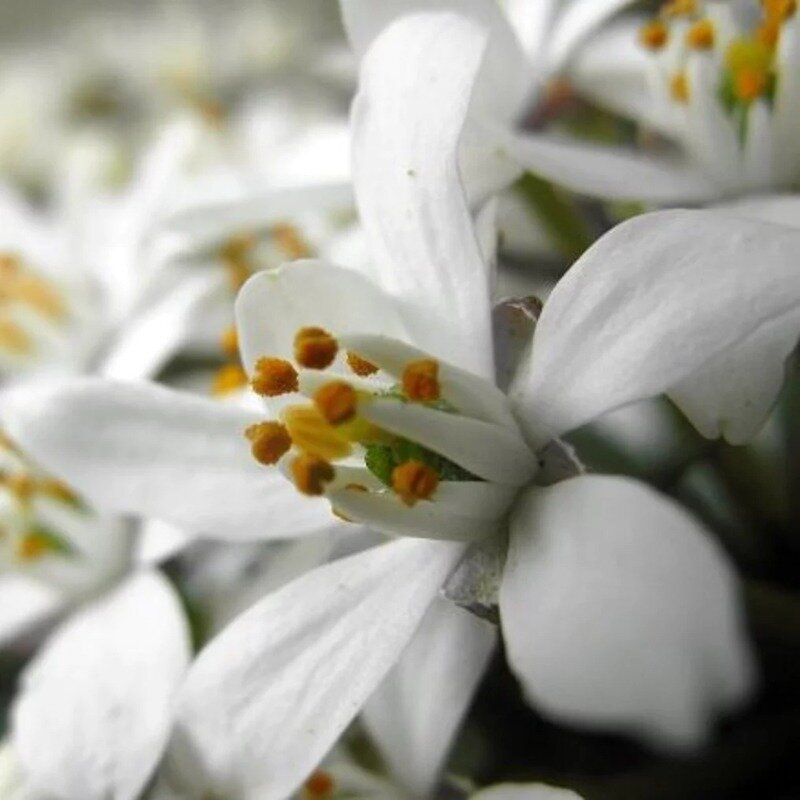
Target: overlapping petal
{"x":268,"y":698}
{"x":146,"y":450}
{"x":94,"y":711}
{"x":686,"y":300}
{"x":417,"y":709}
{"x":619,"y":612}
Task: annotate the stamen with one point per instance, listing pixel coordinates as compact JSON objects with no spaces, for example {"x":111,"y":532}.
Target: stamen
{"x":313,"y":434}
{"x":749,"y":62}
{"x":21,"y":485}
{"x":320,"y":785}
{"x":679,"y":8}
{"x":311,"y":474}
{"x":701,"y":35}
{"x":315,"y":348}
{"x":273,"y":377}
{"x":14,"y":339}
{"x":779,"y":10}
{"x":270,"y":441}
{"x":679,"y":88}
{"x":38,"y":294}
{"x":58,"y":491}
{"x":421,"y":380}
{"x":337,"y":401}
{"x":229,"y":341}
{"x":228,"y":378}
{"x":360,"y":366}
{"x":290,"y":241}
{"x":235,"y":254}
{"x":654,"y":35}
{"x":32,"y":546}
{"x":414,"y":481}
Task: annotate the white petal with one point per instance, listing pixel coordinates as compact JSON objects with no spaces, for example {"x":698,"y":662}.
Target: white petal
{"x":490,"y":451}
{"x":661,"y":302}
{"x":24,"y":603}
{"x":503,"y":79}
{"x":416,"y":82}
{"x":577,"y":21}
{"x":148,"y":340}
{"x":619,"y":612}
{"x":268,"y":697}
{"x":273,"y":306}
{"x":611,"y":173}
{"x":779,"y":208}
{"x":417,"y":709}
{"x":146,"y":450}
{"x":524,"y":791}
{"x":94,"y":710}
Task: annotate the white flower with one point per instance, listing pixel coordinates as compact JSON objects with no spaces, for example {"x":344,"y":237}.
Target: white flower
{"x":600,"y":571}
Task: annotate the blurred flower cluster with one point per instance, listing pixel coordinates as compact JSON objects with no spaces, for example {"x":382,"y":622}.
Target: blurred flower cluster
{"x":399,"y":400}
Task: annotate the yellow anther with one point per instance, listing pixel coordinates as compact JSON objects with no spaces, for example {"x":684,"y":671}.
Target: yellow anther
{"x":337,"y":402}
{"x":768,"y":33}
{"x":269,"y":441}
{"x":413,"y":481}
{"x":229,"y":341}
{"x":14,"y":339}
{"x":228,"y":378}
{"x":750,"y":63}
{"x":273,"y":377}
{"x":21,"y":485}
{"x":701,"y":35}
{"x":57,"y":490}
{"x":235,"y":254}
{"x":32,"y":546}
{"x":654,"y":35}
{"x":679,"y":88}
{"x":315,"y":348}
{"x":421,"y":380}
{"x":311,"y":474}
{"x":320,"y":786}
{"x":36,"y":293}
{"x":779,"y":10}
{"x":313,"y":434}
{"x":679,"y":8}
{"x":290,"y":241}
{"x":748,"y":84}
{"x":360,"y":366}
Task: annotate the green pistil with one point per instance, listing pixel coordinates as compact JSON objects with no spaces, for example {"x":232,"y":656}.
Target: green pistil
{"x":381,"y":460}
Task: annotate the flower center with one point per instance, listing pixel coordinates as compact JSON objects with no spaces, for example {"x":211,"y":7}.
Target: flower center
{"x":390,"y":435}
{"x":746,"y":61}
{"x":26,"y":300}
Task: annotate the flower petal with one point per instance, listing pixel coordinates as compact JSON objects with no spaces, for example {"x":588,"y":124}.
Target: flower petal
{"x":24,"y":603}
{"x":416,"y":711}
{"x":619,"y":612}
{"x":662,"y":302}
{"x":416,"y":83}
{"x":148,"y":340}
{"x":524,"y":791}
{"x":146,"y":450}
{"x":94,"y":710}
{"x":503,"y":79}
{"x":267,"y":699}
{"x":611,"y":173}
{"x":273,"y":306}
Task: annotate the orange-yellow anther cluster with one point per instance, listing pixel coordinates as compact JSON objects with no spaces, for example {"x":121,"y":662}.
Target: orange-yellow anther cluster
{"x":315,"y":348}
{"x":337,"y":402}
{"x":311,"y":474}
{"x":414,"y":481}
{"x":31,"y":546}
{"x":290,"y":241}
{"x":421,"y":380}
{"x":229,"y":341}
{"x":654,"y":34}
{"x":228,"y":378}
{"x":269,"y":441}
{"x":679,"y":87}
{"x":360,"y":366}
{"x":273,"y":377}
{"x":700,"y":35}
{"x":320,"y":786}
